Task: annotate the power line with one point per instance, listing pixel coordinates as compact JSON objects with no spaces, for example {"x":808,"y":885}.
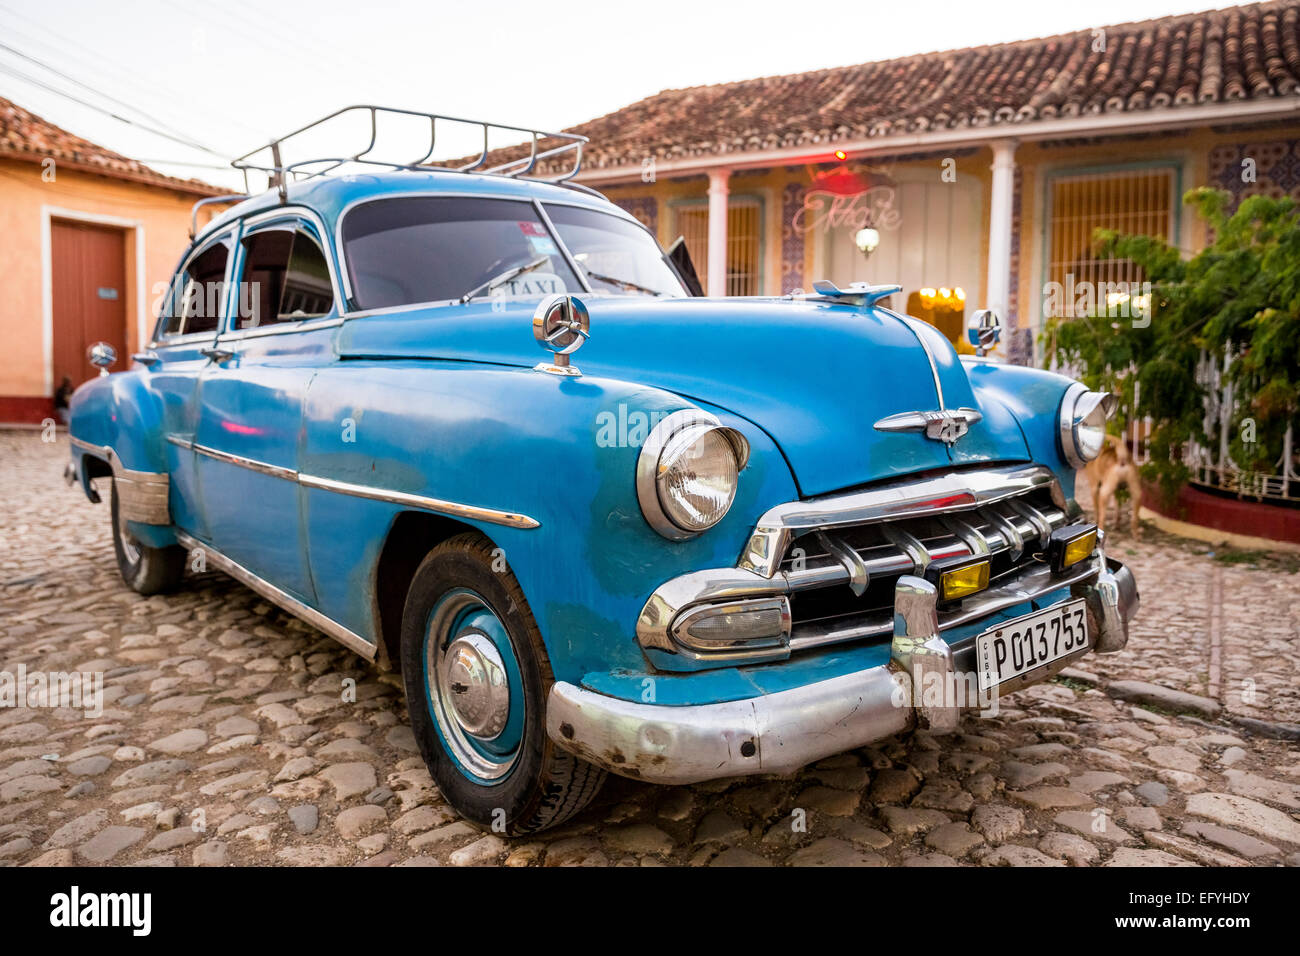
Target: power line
{"x":105,"y":96}
{"x":123,"y":78}
{"x":18,"y":74}
{"x":177,"y":162}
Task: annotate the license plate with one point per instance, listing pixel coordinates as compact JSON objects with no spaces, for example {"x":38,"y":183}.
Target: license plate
{"x":1018,"y":646}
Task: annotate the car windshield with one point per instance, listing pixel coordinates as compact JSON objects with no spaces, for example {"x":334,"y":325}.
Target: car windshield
{"x":408,"y":250}
{"x":617,"y":256}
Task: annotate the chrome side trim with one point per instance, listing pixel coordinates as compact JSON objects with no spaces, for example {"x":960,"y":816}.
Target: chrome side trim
{"x":252,"y":464}
{"x":451,"y":508}
{"x":917,"y":327}
{"x":353,"y":642}
{"x":940,"y":494}
{"x":142,"y":496}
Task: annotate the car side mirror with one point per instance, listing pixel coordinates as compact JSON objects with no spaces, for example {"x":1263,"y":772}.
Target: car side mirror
{"x":101,"y":355}
{"x":984,"y":330}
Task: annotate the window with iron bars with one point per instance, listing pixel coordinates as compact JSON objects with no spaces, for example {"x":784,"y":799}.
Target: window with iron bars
{"x":1130,"y":202}
{"x":744,"y":241}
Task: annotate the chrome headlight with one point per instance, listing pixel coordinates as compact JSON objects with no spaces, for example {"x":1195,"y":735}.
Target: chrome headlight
{"x":687,"y":472}
{"x":1083,"y":423}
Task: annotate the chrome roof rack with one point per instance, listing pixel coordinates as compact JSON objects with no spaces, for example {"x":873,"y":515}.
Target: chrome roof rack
{"x":194,"y":212}
{"x":279,"y":171}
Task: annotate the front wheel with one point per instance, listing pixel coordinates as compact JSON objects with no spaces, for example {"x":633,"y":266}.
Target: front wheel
{"x":477,"y":677}
{"x":145,"y":570}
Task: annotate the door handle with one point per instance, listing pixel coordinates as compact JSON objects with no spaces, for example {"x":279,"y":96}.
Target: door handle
{"x":216,"y":354}
{"x":147,"y":359}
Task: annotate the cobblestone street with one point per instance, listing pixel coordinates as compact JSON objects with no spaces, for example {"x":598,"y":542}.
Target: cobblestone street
{"x":225,"y":738}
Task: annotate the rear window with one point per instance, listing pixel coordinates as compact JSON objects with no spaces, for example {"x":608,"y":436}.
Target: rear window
{"x":196,"y":301}
{"x":409,"y":250}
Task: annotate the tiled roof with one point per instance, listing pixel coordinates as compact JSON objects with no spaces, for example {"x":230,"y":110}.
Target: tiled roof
{"x":1240,"y":53}
{"x":26,"y":136}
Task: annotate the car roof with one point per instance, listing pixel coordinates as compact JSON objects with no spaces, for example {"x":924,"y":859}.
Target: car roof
{"x":330,"y":195}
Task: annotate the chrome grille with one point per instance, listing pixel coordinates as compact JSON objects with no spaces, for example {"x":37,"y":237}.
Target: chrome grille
{"x":841,"y":580}
{"x":835,"y":559}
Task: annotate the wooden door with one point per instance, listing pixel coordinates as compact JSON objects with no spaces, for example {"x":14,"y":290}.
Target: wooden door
{"x":88,"y":273}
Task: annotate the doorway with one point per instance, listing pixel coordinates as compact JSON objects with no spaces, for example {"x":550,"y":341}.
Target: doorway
{"x":88,"y":295}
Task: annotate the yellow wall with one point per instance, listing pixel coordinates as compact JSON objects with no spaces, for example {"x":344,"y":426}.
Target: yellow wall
{"x":162,"y":215}
{"x":1036,"y":161}
{"x":769,"y":184}
{"x":1190,"y":151}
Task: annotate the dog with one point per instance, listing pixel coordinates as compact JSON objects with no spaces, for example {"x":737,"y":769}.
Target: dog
{"x":1114,"y":466}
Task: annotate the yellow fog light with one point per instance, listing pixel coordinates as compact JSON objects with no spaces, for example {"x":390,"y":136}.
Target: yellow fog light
{"x":1068,"y":546}
{"x":958,"y":579}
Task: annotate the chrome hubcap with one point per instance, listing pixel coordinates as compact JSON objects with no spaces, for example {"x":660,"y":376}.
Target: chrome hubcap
{"x":474,"y":681}
{"x":474,"y":686}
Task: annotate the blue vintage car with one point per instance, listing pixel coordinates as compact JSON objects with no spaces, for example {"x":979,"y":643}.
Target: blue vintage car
{"x":729,"y":536}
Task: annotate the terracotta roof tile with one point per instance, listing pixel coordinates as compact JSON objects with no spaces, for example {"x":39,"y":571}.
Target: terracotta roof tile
{"x":26,"y":136}
{"x":1217,"y":56}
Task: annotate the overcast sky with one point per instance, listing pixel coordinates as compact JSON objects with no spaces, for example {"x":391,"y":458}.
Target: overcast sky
{"x":234,"y":73}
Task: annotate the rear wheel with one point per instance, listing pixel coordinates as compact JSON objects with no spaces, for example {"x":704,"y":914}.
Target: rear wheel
{"x":477,"y":678}
{"x":146,"y":570}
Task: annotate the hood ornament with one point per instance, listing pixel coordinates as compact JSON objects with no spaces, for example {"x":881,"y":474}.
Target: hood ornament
{"x":944,"y":424}
{"x":858,"y":293}
{"x":561,"y":325}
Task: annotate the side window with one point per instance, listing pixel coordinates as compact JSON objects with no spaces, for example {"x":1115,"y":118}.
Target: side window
{"x":285,"y":278}
{"x":195,"y":305}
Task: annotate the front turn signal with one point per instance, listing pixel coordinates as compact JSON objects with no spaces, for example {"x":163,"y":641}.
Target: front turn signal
{"x":959,"y":578}
{"x":1070,"y":545}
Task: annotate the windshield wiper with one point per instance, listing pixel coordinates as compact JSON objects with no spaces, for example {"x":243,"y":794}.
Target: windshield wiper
{"x":504,"y":277}
{"x":624,"y":283}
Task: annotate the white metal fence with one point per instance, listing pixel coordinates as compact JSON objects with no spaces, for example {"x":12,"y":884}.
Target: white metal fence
{"x":1211,"y":464}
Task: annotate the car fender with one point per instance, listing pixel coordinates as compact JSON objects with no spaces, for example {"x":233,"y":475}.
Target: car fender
{"x":558,"y":450}
{"x":1033,"y":396}
{"x":115,"y":420}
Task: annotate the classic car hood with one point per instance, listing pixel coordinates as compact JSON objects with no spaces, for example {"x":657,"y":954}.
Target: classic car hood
{"x":816,"y":376}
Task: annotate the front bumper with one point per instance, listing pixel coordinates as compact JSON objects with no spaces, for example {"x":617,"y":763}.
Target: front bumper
{"x":783,"y":731}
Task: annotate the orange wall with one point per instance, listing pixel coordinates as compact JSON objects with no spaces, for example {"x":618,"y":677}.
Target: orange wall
{"x":162,"y":215}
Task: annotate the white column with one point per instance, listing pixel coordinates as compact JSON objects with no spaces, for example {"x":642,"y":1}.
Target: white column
{"x":716,"y":283}
{"x":1001,"y":196}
